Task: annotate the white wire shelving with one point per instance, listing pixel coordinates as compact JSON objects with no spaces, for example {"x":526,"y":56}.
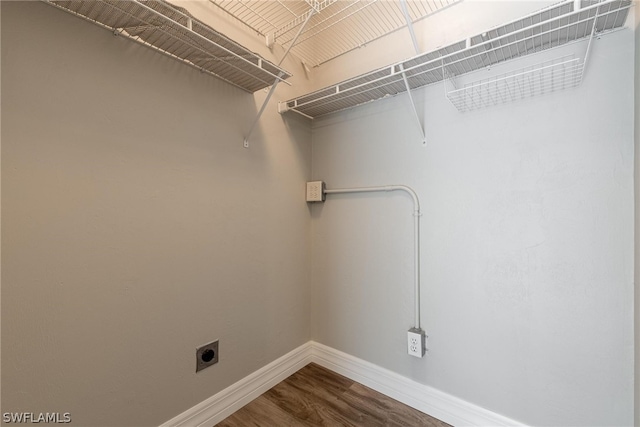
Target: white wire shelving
{"x":566,"y":22}
{"x":337,"y":27}
{"x":173,"y":31}
{"x":540,"y":79}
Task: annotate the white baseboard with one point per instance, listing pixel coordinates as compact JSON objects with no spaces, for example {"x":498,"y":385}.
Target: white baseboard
{"x":440,"y":405}
{"x":221,"y":405}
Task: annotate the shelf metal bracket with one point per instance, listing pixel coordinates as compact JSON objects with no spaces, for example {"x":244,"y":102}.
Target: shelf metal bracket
{"x":413,"y":105}
{"x":407,"y":18}
{"x":245,"y":143}
{"x":588,"y":51}
{"x":414,"y":40}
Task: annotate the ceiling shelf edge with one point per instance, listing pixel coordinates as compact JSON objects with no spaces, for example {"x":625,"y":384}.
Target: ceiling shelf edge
{"x":551,"y":27}
{"x":173,"y":31}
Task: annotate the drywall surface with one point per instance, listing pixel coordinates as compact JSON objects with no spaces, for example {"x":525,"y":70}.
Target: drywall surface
{"x":637,"y":213}
{"x":0,"y":210}
{"x":136,"y":227}
{"x":527,"y":254}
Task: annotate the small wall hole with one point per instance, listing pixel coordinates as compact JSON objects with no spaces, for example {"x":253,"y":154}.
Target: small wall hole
{"x":207,"y":355}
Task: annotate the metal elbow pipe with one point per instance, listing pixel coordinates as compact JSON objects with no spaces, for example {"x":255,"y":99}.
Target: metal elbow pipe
{"x":416,"y":221}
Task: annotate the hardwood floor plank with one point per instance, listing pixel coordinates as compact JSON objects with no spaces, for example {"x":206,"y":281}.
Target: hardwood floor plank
{"x":328,"y":379}
{"x":288,"y":399}
{"x":327,"y":390}
{"x":321,"y":405}
{"x":261,"y":412}
{"x":316,"y":396}
{"x":394,"y":412}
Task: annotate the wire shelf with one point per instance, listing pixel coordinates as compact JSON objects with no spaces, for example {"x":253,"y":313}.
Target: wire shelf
{"x":555,"y":26}
{"x":551,"y":76}
{"x":338,"y":27}
{"x":173,"y":31}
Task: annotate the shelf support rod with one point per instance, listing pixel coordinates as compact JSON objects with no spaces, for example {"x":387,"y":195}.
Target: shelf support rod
{"x":586,"y":55}
{"x":407,"y":18}
{"x":278,"y":79}
{"x":413,"y":105}
{"x":414,"y":40}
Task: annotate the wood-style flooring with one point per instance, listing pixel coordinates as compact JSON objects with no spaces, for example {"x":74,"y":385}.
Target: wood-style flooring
{"x":315,"y":396}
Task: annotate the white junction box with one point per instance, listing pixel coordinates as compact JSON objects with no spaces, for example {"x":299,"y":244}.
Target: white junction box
{"x":416,"y":342}
{"x":315,"y":191}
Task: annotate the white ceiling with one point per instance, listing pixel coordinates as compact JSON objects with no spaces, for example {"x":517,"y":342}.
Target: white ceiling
{"x":338,"y":27}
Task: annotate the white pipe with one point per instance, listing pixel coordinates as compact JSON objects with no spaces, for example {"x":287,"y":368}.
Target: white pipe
{"x":416,"y":231}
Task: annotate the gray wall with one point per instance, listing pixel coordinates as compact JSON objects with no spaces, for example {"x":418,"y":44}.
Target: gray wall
{"x":637,"y":207}
{"x":136,"y":227}
{"x":527,"y":255}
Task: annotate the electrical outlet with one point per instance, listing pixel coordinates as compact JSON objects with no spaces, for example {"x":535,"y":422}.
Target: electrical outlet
{"x":315,"y":191}
{"x":416,"y":342}
{"x":206,"y":355}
